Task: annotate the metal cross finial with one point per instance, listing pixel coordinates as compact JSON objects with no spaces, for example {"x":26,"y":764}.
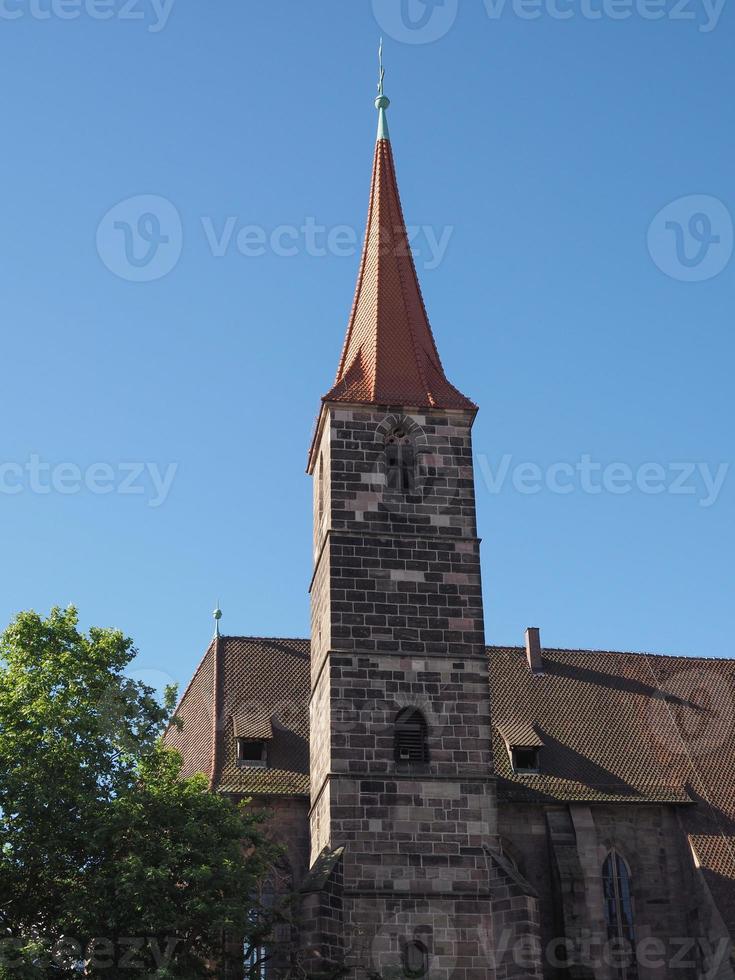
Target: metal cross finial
{"x":382,"y":102}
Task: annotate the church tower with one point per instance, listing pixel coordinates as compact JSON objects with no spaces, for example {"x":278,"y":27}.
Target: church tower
{"x":402,"y":789}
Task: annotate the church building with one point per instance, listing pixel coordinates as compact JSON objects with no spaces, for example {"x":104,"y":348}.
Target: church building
{"x":449,"y":809}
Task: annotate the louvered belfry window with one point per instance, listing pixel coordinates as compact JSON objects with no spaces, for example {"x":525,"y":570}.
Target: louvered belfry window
{"x":411,"y":743}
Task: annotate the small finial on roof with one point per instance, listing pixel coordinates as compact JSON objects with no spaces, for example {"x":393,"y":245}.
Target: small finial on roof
{"x":217,"y":616}
{"x":382,"y":102}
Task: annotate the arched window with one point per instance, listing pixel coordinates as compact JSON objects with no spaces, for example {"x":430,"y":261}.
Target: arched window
{"x":415,"y":960}
{"x":619,"y":913}
{"x":410,"y":739}
{"x":400,"y":461}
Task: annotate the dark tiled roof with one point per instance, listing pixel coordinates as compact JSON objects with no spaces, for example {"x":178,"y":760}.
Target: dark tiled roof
{"x":616,"y":725}
{"x":613,"y":727}
{"x":262,"y":691}
{"x":628,"y":727}
{"x":193,"y":738}
{"x":266,"y":679}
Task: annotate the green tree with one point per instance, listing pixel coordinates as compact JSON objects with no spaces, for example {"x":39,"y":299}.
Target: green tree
{"x":111,"y":864}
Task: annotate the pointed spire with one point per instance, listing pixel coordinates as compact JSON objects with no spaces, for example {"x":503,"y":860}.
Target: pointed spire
{"x":390,"y":356}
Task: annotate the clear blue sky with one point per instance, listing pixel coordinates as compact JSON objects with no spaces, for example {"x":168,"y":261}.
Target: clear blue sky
{"x":544,"y":148}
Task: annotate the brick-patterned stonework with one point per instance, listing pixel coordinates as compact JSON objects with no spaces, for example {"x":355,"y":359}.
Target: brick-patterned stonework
{"x":514,"y":945}
{"x":287,"y":823}
{"x":322,"y":916}
{"x":561,"y":850}
{"x":587,"y":708}
{"x":397,"y":621}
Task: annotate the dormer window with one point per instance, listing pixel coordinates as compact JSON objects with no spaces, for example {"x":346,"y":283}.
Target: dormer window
{"x":525,"y":758}
{"x":523,"y":742}
{"x":252,"y":753}
{"x":253,"y":730}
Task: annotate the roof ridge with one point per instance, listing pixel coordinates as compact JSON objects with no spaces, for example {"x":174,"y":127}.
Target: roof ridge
{"x":614,"y":653}
{"x":262,"y":639}
{"x":498,"y":647}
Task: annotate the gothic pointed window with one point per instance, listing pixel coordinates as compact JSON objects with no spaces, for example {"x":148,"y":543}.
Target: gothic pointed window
{"x":410,"y":738}
{"x":400,"y":461}
{"x":619,"y":914}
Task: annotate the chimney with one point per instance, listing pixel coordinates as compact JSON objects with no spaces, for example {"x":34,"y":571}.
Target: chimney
{"x":533,"y":650}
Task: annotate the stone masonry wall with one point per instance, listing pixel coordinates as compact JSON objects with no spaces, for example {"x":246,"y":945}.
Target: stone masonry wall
{"x":560,"y":850}
{"x":650,"y":841}
{"x":398,"y":574}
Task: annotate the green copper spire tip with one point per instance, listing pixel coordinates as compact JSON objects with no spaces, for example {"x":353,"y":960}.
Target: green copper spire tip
{"x":382,"y":102}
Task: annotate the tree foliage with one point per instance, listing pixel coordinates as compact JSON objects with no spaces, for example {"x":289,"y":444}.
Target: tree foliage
{"x":111,"y":864}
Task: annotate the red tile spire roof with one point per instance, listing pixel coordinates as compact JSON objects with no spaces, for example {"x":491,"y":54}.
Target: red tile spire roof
{"x":390,"y":356}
